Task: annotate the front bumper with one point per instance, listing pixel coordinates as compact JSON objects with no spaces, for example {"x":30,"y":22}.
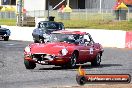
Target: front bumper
{"x":4,"y":35}
{"x":48,"y":60}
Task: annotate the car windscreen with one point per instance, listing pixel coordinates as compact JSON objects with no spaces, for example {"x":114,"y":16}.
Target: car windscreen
{"x":70,"y":38}
{"x":49,"y":25}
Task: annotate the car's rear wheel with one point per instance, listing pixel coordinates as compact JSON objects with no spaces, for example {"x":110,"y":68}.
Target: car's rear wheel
{"x":97,"y":60}
{"x":6,"y":38}
{"x":29,"y":64}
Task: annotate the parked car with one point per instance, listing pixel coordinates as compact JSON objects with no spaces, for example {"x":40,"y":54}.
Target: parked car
{"x":64,"y":48}
{"x":4,"y":33}
{"x":44,"y":29}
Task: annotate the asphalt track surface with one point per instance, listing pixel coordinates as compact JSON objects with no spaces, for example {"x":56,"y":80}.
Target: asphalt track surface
{"x":14,"y":75}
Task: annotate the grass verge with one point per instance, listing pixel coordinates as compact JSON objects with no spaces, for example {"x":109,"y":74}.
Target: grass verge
{"x":99,"y":24}
{"x":9,"y":22}
{"x":90,"y":24}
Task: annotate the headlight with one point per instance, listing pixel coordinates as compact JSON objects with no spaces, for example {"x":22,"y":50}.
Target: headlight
{"x":64,"y":52}
{"x":8,"y":32}
{"x":27,"y":49}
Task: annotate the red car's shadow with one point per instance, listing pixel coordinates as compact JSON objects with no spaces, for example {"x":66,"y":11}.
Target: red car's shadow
{"x":85,"y":66}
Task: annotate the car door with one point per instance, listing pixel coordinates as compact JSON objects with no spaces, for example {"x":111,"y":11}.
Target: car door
{"x":83,"y":50}
{"x":83,"y":53}
{"x":89,"y":47}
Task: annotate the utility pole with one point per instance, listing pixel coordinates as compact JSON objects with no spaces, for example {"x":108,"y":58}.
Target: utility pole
{"x":19,"y":12}
{"x":68,"y":3}
{"x":100,"y":6}
{"x":48,"y":8}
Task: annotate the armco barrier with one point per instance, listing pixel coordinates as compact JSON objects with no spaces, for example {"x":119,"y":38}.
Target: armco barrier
{"x":108,"y":38}
{"x":128,"y":42}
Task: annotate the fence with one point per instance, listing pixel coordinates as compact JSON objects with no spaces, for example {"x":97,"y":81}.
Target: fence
{"x":82,"y":14}
{"x":76,"y":14}
{"x":8,"y":15}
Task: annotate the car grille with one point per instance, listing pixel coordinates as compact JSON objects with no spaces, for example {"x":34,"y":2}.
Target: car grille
{"x":2,"y":33}
{"x":43,"y":57}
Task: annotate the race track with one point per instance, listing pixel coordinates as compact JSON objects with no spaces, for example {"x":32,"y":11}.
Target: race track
{"x":14,"y":75}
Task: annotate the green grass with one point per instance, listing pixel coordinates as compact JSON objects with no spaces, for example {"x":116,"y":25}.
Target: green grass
{"x":86,"y":24}
{"x":10,"y":22}
{"x":99,"y":24}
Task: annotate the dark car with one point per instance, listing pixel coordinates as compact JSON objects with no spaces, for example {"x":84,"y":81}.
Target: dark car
{"x":64,"y":48}
{"x":44,"y":29}
{"x":4,"y":33}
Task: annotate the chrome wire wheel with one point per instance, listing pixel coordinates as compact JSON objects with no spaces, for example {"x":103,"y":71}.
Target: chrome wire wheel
{"x":97,"y":60}
{"x":73,"y":60}
{"x":98,"y":57}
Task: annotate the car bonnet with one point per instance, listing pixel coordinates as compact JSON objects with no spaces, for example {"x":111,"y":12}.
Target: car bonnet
{"x":48,"y":48}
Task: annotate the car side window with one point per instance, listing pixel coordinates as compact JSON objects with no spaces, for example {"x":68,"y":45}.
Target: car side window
{"x":42,"y":25}
{"x":87,"y":40}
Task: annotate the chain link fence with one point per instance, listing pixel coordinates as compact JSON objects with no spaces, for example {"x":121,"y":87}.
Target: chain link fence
{"x":129,"y":14}
{"x":8,"y":15}
{"x":76,"y":14}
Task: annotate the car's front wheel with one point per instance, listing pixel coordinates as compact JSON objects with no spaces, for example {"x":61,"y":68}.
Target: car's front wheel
{"x":73,"y":61}
{"x":6,"y":38}
{"x":29,"y":64}
{"x":97,"y":60}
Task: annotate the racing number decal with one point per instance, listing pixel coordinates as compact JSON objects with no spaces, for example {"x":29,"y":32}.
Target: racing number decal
{"x":91,"y":50}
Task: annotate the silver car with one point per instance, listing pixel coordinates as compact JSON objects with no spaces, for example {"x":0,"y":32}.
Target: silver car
{"x":44,"y":29}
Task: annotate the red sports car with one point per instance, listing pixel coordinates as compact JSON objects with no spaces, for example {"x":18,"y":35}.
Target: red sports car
{"x":64,"y":48}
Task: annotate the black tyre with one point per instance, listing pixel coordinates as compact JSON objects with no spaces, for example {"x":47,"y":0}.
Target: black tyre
{"x":29,"y":65}
{"x":97,"y":60}
{"x":6,"y":38}
{"x":73,"y":61}
{"x":81,"y":80}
